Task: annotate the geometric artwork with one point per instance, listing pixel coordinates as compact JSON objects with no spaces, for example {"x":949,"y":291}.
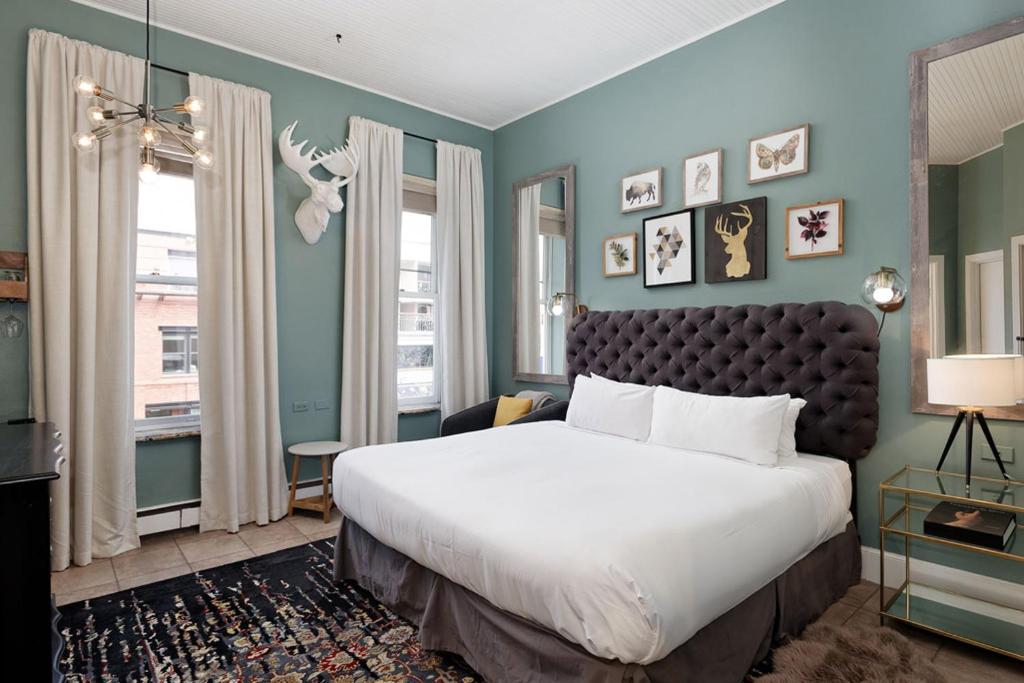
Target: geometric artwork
{"x":620,"y":255}
{"x":640,"y":191}
{"x":669,"y":257}
{"x":702,"y":179}
{"x":735,"y":244}
{"x":778,"y":155}
{"x":814,"y":229}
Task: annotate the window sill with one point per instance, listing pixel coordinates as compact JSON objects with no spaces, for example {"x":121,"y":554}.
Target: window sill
{"x":419,"y":410}
{"x":180,"y":432}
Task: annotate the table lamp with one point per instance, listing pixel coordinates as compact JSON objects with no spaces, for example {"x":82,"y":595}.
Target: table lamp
{"x":973,"y":382}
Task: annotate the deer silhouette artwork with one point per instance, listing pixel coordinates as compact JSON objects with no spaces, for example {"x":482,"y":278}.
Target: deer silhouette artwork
{"x":735,"y":247}
{"x":324,"y":195}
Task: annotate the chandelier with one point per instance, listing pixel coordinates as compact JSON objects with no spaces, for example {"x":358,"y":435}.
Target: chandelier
{"x":155,"y":122}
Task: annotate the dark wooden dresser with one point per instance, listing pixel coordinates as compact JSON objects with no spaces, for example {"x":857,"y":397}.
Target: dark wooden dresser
{"x":30,"y":457}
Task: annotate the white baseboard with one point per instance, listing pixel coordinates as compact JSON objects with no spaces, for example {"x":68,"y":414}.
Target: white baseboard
{"x":188,"y":516}
{"x":968,"y":586}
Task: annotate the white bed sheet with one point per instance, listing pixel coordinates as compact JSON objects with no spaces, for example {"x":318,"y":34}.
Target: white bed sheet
{"x":624,"y":547}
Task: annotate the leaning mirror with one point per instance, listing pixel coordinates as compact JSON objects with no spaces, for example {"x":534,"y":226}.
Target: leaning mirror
{"x":544,"y":285}
{"x":967,"y":208}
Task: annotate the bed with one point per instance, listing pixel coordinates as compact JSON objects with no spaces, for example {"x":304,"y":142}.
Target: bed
{"x":543,"y":552}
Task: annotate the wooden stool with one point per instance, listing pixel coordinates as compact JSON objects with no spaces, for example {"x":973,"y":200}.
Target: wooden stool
{"x":325,"y":450}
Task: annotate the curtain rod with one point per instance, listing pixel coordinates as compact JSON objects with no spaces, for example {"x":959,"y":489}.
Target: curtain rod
{"x":419,"y":137}
{"x":167,"y":68}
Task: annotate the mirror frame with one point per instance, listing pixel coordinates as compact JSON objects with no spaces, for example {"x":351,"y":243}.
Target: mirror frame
{"x":568,"y":173}
{"x":919,"y":228}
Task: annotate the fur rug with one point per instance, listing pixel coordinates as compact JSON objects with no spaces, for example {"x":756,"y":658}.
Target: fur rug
{"x":850,"y":654}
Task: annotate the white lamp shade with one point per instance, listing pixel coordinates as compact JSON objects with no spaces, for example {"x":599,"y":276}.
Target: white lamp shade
{"x":976,"y":381}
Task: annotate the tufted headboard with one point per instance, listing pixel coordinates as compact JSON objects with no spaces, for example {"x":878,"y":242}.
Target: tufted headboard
{"x":824,"y":352}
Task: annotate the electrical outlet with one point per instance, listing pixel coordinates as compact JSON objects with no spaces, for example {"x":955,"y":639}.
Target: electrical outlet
{"x":1005,"y":452}
{"x":322,"y":404}
{"x":300,"y":406}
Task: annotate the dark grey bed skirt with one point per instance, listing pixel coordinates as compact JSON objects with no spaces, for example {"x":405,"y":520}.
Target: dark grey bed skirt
{"x":503,"y":647}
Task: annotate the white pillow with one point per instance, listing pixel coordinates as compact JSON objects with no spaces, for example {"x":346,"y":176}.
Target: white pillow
{"x":611,"y":407}
{"x":739,"y":427}
{"x":787,"y":439}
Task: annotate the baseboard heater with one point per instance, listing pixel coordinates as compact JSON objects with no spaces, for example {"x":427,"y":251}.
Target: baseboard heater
{"x":185,"y":514}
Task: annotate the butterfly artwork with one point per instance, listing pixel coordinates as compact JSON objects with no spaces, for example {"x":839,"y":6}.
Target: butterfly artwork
{"x":780,"y":154}
{"x":814,"y":229}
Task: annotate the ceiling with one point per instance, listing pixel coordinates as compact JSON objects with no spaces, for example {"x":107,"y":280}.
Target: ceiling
{"x":972,"y":98}
{"x":488,"y":62}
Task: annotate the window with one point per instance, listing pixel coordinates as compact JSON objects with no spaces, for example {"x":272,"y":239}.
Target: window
{"x":166,"y":298}
{"x":417,"y":311}
{"x":180,"y":350}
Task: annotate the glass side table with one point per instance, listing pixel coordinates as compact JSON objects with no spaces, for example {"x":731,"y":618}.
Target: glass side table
{"x":983,"y":623}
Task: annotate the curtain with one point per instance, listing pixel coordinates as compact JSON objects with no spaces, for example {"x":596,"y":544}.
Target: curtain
{"x":460,"y":250}
{"x":528,"y":313}
{"x":373,"y":220}
{"x":81,"y":240}
{"x":242,"y":476}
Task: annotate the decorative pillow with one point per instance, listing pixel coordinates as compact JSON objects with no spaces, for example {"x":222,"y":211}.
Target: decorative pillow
{"x":739,"y":427}
{"x":604,"y":405}
{"x":510,"y":409}
{"x":787,"y":438}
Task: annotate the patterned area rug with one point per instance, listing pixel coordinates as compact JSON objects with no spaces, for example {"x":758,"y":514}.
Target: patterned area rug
{"x":277,"y":618}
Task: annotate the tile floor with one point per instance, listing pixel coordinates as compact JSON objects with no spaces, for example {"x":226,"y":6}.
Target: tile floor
{"x":164,"y":556}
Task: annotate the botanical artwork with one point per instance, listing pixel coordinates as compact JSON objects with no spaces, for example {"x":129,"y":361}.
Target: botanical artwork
{"x":668,"y":249}
{"x":641,"y":191}
{"x":702,"y":179}
{"x":735,"y":244}
{"x":814,"y":229}
{"x":777,"y":155}
{"x":620,"y":255}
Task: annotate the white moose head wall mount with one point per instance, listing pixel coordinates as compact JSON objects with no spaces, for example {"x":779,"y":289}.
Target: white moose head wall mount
{"x":324,"y":195}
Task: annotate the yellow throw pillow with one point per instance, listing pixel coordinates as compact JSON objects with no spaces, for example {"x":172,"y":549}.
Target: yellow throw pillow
{"x":510,"y":409}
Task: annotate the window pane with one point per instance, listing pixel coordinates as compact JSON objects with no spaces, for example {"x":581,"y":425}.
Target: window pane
{"x":417,"y":253}
{"x":416,"y":313}
{"x":166,"y":349}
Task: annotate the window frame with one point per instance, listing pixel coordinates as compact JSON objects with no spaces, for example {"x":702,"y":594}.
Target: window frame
{"x":426,"y":189}
{"x":145,"y":427}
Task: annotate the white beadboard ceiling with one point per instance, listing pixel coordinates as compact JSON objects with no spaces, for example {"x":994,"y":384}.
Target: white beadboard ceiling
{"x":487,"y":62}
{"x":972,"y":98}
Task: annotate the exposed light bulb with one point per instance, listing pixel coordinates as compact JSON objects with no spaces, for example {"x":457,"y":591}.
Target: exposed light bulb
{"x":557,"y":309}
{"x":203,"y":158}
{"x":200,"y":134}
{"x":193,"y":105}
{"x":149,"y":171}
{"x":149,"y":136}
{"x":84,"y":141}
{"x":84,"y":86}
{"x":882,"y":295}
{"x":95,"y":114}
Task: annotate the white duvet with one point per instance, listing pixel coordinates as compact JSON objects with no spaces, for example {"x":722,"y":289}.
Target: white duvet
{"x":623,"y":547}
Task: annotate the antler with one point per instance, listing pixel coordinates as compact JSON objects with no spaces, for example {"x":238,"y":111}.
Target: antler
{"x":342,"y":162}
{"x":722,"y":227}
{"x":293,"y":157}
{"x":744,"y":212}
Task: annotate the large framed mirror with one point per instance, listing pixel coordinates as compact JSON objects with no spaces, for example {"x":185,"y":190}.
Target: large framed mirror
{"x":543,"y":235}
{"x":967,"y":202}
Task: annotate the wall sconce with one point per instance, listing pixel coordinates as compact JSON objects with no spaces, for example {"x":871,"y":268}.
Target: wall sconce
{"x":885,"y":289}
{"x":559,"y":302}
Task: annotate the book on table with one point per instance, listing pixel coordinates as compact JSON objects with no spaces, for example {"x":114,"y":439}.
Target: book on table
{"x":971,"y":524}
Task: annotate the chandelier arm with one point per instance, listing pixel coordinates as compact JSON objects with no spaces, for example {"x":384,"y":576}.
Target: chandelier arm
{"x":167,"y":129}
{"x":123,"y":122}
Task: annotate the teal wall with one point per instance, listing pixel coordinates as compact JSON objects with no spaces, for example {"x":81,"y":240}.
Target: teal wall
{"x":842,"y":66}
{"x":943,"y":240}
{"x":309,"y":278}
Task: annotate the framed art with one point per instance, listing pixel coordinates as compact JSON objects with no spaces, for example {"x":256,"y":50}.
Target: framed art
{"x":814,"y":229}
{"x":777,"y":155}
{"x":702,"y":178}
{"x":735,"y":241}
{"x":668,"y":249}
{"x":641,"y":191}
{"x":619,"y":255}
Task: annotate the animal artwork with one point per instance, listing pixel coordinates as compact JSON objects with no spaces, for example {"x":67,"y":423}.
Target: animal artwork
{"x":735,"y":245}
{"x":324,"y":195}
{"x":640,"y":192}
{"x":768,"y":158}
{"x":739,"y":264}
{"x":703,"y":177}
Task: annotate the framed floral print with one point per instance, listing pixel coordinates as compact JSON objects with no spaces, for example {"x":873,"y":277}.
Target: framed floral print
{"x":814,"y":229}
{"x":620,"y":255}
